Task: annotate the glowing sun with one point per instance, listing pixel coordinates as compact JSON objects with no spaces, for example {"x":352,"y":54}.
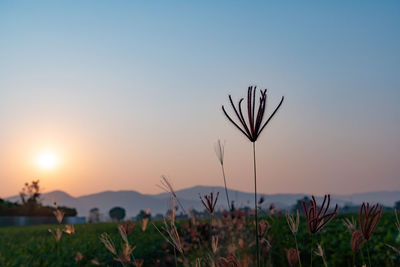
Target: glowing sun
{"x":47,"y":160}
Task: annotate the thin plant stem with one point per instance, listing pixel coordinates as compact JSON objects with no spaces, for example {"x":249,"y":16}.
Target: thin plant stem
{"x":354,"y":259}
{"x":323,"y":259}
{"x":211,"y":227}
{"x":270,"y":259}
{"x":297,"y":250}
{"x":134,"y":260}
{"x":176,"y":262}
{"x":362,"y":257}
{"x":226,"y":189}
{"x":58,"y":250}
{"x":369,"y":258}
{"x":323,"y":254}
{"x":312,"y":245}
{"x":255,"y":204}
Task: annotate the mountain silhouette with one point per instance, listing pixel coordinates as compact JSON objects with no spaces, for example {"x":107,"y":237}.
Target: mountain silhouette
{"x":133,"y":201}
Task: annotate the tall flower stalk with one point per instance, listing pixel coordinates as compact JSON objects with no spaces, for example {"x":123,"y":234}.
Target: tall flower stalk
{"x":252,"y":129}
{"x":167,"y":187}
{"x":398,"y":228}
{"x":318,"y":217}
{"x":220,"y":151}
{"x":294,"y":227}
{"x":209,"y":202}
{"x":368,"y":218}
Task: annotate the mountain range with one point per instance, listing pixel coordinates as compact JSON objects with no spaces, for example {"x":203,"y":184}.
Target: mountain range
{"x":133,"y":201}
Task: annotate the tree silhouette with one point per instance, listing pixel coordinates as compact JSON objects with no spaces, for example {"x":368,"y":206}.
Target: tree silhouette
{"x":30,"y":193}
{"x":94,"y":215}
{"x":299,"y":206}
{"x":397,"y":205}
{"x":117,"y":213}
{"x":145,"y":214}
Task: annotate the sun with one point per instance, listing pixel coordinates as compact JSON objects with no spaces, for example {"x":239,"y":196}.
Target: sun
{"x":47,"y":160}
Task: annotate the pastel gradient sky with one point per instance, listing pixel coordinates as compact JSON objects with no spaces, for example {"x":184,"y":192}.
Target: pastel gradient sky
{"x":126,"y":91}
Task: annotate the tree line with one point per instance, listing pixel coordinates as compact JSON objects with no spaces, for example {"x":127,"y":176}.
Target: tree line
{"x":30,"y":204}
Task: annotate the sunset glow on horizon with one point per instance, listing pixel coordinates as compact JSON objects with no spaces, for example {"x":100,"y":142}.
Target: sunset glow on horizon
{"x":105,"y":97}
{"x":47,"y":160}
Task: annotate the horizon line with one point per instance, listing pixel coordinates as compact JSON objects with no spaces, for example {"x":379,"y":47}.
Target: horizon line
{"x":165,"y":192}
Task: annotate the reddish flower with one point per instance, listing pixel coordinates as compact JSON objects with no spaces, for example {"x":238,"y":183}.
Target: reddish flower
{"x":318,"y":217}
{"x":369,"y":217}
{"x":128,"y":226}
{"x":139,"y":262}
{"x":292,"y":256}
{"x":265,"y":247}
{"x":78,"y":257}
{"x":272,"y":209}
{"x":230,"y":261}
{"x":209,"y":202}
{"x":253,"y":128}
{"x":357,"y":241}
{"x":263,"y":227}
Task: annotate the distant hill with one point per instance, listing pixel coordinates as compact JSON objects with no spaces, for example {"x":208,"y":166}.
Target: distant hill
{"x":133,"y":201}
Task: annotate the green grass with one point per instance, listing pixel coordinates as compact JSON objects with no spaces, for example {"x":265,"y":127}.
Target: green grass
{"x":35,"y":246}
{"x":335,"y":240}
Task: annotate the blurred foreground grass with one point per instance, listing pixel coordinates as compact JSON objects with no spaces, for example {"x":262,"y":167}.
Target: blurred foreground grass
{"x":35,"y":246}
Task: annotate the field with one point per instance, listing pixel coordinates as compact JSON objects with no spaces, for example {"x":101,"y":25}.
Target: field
{"x":36,"y":246}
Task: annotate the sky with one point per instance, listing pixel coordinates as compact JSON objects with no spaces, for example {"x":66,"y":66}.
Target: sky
{"x":123,"y":92}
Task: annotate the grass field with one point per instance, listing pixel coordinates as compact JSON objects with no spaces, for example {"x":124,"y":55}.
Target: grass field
{"x":35,"y":246}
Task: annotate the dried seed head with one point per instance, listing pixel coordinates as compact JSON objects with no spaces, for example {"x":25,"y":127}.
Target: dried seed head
{"x":139,"y":262}
{"x":292,"y":256}
{"x":265,"y":248}
{"x":145,"y":222}
{"x":108,"y":243}
{"x":229,"y":261}
{"x":122,"y":232}
{"x":69,"y":229}
{"x":59,"y":215}
{"x":174,"y":208}
{"x":396,"y":250}
{"x":125,"y":254}
{"x":192,"y":217}
{"x":197,"y":262}
{"x":78,"y":257}
{"x":172,"y":236}
{"x":57,"y":233}
{"x":272,"y":209}
{"x":241,"y":243}
{"x":220,"y":151}
{"x":128,"y":227}
{"x":293,"y":223}
{"x":263,"y":227}
{"x":319,"y":251}
{"x":167,"y":186}
{"x":351,"y":225}
{"x":95,"y":262}
{"x":214,"y":243}
{"x":397,"y":220}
